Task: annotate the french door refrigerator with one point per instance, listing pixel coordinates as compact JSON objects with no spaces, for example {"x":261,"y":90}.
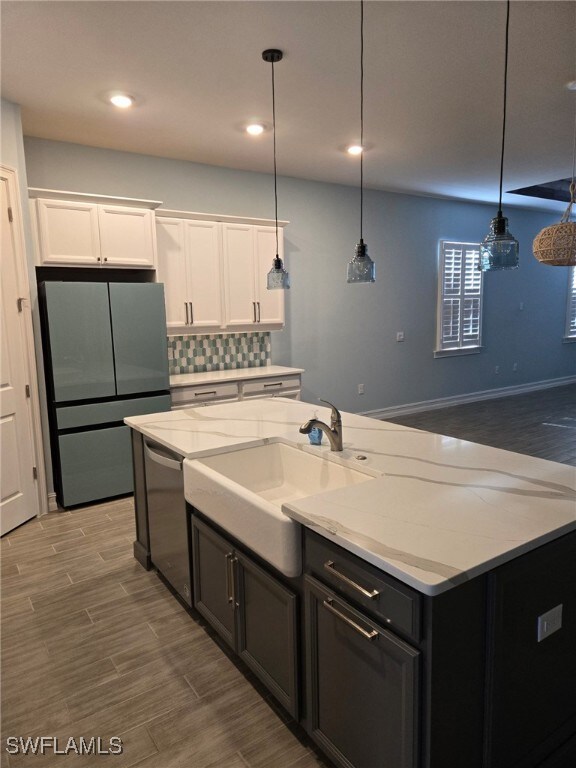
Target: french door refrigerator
{"x":105,"y":358}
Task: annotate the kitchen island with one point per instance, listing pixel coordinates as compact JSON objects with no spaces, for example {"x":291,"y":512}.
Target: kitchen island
{"x":471,"y":552}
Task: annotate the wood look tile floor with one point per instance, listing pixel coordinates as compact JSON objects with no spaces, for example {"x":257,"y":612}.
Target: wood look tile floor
{"x":541,"y":424}
{"x":94,"y":645}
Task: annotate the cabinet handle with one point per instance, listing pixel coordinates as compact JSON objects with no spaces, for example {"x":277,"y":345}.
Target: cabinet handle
{"x":258,"y":310}
{"x":331,"y":568}
{"x":254,"y":310}
{"x":98,"y":258}
{"x":199,"y":394}
{"x":229,"y":578}
{"x":105,"y":258}
{"x":191,"y":313}
{"x":369,"y":635}
{"x":186,"y":308}
{"x":275,"y":384}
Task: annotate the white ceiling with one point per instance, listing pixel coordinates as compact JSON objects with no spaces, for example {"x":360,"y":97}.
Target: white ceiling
{"x":433,"y":86}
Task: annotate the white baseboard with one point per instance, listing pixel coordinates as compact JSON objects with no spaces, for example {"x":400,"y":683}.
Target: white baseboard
{"x":52,"y":503}
{"x":472,"y":397}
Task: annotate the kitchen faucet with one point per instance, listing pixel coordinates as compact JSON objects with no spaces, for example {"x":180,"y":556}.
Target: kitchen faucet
{"x":332,"y":432}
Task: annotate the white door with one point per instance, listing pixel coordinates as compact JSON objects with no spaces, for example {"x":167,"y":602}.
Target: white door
{"x":240,"y":302}
{"x":203,"y":274}
{"x":172,"y":271}
{"x":127,"y":236}
{"x":270,"y":303}
{"x":18,"y":495}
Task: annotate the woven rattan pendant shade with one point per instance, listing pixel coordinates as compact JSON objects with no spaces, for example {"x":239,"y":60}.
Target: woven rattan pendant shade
{"x":556,"y":245}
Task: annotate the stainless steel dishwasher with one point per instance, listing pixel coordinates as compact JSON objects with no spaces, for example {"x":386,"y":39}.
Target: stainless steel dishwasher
{"x":167,"y":517}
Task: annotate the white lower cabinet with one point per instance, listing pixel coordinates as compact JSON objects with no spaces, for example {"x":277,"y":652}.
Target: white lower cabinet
{"x":189,"y":267}
{"x":90,"y":234}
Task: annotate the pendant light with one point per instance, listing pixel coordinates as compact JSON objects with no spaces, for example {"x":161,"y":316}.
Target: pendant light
{"x":556,"y":245}
{"x":361,"y":268}
{"x":499,"y":249}
{"x":277,"y":278}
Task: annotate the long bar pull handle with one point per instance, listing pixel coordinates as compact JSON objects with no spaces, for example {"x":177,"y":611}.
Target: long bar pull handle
{"x":369,"y":635}
{"x":191,"y":313}
{"x":258,"y":310}
{"x":187,"y":317}
{"x":254,"y":310}
{"x":229,"y":578}
{"x":331,"y":568}
{"x":233,"y":562}
{"x":275,"y":384}
{"x":199,"y":394}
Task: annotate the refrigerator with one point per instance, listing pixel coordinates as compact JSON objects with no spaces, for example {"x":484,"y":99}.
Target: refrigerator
{"x":105,"y":358}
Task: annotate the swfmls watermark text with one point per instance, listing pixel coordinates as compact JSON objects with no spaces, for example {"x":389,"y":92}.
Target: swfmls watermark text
{"x":43,"y":745}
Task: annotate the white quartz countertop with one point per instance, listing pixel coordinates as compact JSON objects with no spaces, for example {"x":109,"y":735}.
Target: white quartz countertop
{"x":235,"y":374}
{"x":442,"y":510}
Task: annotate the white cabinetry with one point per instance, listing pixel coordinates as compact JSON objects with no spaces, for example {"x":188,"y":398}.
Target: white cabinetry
{"x":214,"y":272}
{"x":84,"y":232}
{"x":189,"y":267}
{"x":248,"y":254}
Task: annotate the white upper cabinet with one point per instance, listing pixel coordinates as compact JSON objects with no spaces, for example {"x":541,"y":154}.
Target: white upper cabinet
{"x":127,"y":236}
{"x":86,"y":232}
{"x":189,"y":267}
{"x":248,"y":254}
{"x":214,"y":272}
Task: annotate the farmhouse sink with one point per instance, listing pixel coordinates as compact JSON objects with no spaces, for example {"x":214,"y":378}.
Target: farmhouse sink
{"x":243,"y":491}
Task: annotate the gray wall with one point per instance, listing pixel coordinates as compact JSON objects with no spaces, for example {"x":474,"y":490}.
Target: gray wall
{"x":343,"y":334}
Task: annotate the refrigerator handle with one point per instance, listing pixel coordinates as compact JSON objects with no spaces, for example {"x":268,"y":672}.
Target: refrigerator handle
{"x":164,"y":459}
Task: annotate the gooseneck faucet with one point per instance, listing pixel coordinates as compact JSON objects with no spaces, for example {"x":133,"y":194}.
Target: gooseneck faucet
{"x":332,"y":432}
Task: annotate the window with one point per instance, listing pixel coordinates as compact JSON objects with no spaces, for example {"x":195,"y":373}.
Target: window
{"x":571,"y":305}
{"x":459,"y":328}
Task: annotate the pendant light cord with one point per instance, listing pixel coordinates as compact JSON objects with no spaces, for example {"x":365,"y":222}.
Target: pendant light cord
{"x":361,"y":115}
{"x":504,"y":107}
{"x":274,"y":146}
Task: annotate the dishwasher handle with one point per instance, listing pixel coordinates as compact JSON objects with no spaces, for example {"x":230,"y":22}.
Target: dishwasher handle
{"x":166,"y":459}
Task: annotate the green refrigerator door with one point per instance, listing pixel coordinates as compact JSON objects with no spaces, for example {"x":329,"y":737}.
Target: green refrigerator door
{"x":78,"y":317}
{"x":139,"y":337}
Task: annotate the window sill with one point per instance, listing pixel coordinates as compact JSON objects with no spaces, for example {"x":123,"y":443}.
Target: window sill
{"x":457,"y":352}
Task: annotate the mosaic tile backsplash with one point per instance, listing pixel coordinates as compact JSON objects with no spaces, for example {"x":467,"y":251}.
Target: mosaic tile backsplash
{"x":195,"y":354}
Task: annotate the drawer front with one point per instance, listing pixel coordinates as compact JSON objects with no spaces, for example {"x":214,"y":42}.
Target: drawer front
{"x":384,"y":597}
{"x":73,"y":416}
{"x":268,"y":387}
{"x":204,"y":393}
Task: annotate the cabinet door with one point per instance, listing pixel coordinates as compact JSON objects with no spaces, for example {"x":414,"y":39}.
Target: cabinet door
{"x":213,"y":580}
{"x":238,"y":251}
{"x":203,"y":282}
{"x":127,"y":236}
{"x":172,"y":271}
{"x":267,"y":631}
{"x":270,"y":303}
{"x":68,"y":233}
{"x":362,"y":685}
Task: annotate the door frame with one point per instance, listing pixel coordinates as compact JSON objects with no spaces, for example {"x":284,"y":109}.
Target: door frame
{"x":10,"y":176}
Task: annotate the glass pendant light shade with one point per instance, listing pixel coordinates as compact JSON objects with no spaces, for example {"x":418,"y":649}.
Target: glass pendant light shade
{"x":277,"y":278}
{"x":499,"y":249}
{"x":361,"y":269}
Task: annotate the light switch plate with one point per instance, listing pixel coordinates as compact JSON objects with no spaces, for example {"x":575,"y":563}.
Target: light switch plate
{"x":549,"y":622}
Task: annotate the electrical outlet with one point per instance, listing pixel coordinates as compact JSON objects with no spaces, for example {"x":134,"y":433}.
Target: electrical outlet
{"x":521,"y":306}
{"x":400,"y":336}
{"x":360,"y":389}
{"x":549,"y":622}
{"x":497,"y":369}
{"x":515,"y":367}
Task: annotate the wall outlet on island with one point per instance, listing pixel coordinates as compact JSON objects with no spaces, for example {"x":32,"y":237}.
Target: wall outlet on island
{"x":360,"y":389}
{"x":400,"y":336}
{"x":497,"y":369}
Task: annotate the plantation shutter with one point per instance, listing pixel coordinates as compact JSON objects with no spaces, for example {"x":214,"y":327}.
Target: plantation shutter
{"x":571,"y":308}
{"x":460,"y":296}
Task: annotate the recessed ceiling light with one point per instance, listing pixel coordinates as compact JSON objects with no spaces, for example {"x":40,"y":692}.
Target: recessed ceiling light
{"x":255,"y":129}
{"x":354,"y":149}
{"x":121,"y":100}
{"x":571,"y":86}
